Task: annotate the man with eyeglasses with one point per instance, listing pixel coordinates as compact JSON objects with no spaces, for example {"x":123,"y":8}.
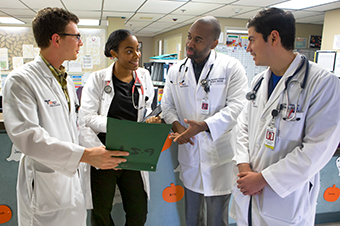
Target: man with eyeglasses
{"x":39,"y":106}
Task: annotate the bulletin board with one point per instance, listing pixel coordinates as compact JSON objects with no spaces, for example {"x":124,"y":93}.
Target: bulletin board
{"x":17,"y":47}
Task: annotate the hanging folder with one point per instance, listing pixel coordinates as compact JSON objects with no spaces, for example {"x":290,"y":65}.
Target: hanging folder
{"x":144,"y":142}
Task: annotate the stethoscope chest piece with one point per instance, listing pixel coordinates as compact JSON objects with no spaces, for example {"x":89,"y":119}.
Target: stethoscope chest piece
{"x":107,"y":89}
{"x":206,"y":85}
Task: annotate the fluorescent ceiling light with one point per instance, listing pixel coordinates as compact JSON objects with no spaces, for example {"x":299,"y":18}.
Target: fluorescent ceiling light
{"x":10,"y":20}
{"x":88,"y":22}
{"x":301,"y":4}
{"x":237,"y":32}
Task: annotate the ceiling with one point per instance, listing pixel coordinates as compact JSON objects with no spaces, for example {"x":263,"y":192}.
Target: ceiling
{"x":153,"y":17}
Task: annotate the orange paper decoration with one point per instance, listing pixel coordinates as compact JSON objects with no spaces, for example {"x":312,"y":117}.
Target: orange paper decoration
{"x":331,"y":194}
{"x":167,"y":143}
{"x":5,"y":214}
{"x":173,"y":193}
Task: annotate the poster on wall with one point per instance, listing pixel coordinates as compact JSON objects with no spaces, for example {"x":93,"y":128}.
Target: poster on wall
{"x":232,"y":40}
{"x":4,"y":58}
{"x":17,"y":62}
{"x":336,"y":42}
{"x":87,"y":62}
{"x":28,"y":51}
{"x":314,"y":41}
{"x":36,"y":51}
{"x":300,"y":43}
{"x":92,"y":46}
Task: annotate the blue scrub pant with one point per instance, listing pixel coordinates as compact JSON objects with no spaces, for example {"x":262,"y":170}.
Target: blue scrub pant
{"x":203,"y":210}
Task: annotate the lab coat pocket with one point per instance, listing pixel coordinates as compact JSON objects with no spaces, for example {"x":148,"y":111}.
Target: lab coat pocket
{"x":290,"y":209}
{"x":292,"y":130}
{"x":52,"y":192}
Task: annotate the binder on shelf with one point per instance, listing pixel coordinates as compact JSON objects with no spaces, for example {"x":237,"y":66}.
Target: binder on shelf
{"x":144,"y":142}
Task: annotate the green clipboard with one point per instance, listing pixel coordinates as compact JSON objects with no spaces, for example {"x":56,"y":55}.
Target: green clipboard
{"x":144,"y":142}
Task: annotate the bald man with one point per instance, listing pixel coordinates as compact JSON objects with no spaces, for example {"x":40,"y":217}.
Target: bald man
{"x":203,"y":96}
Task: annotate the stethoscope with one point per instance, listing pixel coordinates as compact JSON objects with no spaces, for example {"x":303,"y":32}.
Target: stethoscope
{"x":137,"y":83}
{"x":205,"y":83}
{"x":290,"y":113}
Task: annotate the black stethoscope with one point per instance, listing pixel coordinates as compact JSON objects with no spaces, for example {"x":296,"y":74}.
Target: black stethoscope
{"x":137,"y":83}
{"x":205,"y":83}
{"x":251,"y":96}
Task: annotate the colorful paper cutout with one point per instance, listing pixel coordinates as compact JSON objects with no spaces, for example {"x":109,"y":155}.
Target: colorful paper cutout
{"x":173,"y":193}
{"x":5,"y":214}
{"x":331,"y":194}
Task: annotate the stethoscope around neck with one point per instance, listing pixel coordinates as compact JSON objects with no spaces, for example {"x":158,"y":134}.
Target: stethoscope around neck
{"x":136,"y":84}
{"x":205,"y":83}
{"x":251,"y":96}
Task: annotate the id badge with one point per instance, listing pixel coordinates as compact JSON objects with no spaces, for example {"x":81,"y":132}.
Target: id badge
{"x":205,"y":106}
{"x":270,"y":137}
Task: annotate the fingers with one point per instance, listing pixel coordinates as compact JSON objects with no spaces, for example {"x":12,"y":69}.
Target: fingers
{"x":240,"y":175}
{"x":118,"y":153}
{"x":154,"y":120}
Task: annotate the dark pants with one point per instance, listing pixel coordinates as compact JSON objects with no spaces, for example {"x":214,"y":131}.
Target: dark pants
{"x":103,"y":185}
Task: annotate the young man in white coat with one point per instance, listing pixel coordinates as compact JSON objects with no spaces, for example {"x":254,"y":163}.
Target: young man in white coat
{"x":203,"y":97}
{"x":288,"y":131}
{"x":39,"y":106}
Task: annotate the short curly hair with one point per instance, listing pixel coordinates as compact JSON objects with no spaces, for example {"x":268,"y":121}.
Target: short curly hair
{"x":49,"y":21}
{"x":267,"y":20}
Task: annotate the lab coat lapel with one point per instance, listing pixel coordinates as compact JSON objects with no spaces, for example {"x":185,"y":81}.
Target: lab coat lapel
{"x":55,"y":86}
{"x":279,"y":89}
{"x":190,"y":80}
{"x":205,"y":71}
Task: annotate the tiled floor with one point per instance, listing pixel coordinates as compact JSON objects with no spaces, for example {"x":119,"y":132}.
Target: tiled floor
{"x":329,"y":224}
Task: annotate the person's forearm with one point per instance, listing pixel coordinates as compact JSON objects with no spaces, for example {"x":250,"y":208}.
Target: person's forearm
{"x":244,"y":167}
{"x":177,"y":127}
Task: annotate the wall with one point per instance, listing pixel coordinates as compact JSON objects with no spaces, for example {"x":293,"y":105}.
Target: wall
{"x":170,"y":44}
{"x":305,"y":30}
{"x":302,"y":31}
{"x":114,"y":23}
{"x":182,"y":30}
{"x":331,"y":28}
{"x":146,"y":49}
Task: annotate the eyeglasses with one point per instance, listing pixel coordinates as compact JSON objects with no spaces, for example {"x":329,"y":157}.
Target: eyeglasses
{"x":75,"y":35}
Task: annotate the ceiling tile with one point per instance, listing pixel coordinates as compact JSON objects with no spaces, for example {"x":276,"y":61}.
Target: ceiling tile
{"x":122,"y":5}
{"x":195,"y":8}
{"x":79,"y":5}
{"x":11,"y":4}
{"x":258,"y":3}
{"x":107,"y":14}
{"x":145,"y":17}
{"x":88,"y":14}
{"x":247,"y":15}
{"x":175,"y":19}
{"x":40,"y":4}
{"x":19,"y":13}
{"x":214,"y":1}
{"x":304,"y":14}
{"x":231,"y":11}
{"x":325,"y":7}
{"x":311,"y":19}
{"x":161,"y":12}
{"x":161,"y":6}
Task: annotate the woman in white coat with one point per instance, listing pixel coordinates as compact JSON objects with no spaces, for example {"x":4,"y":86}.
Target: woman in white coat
{"x":122,"y":91}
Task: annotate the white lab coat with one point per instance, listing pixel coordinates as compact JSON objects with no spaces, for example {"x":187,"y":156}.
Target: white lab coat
{"x":207,"y":167}
{"x":301,"y":150}
{"x":95,"y":104}
{"x":39,"y":123}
